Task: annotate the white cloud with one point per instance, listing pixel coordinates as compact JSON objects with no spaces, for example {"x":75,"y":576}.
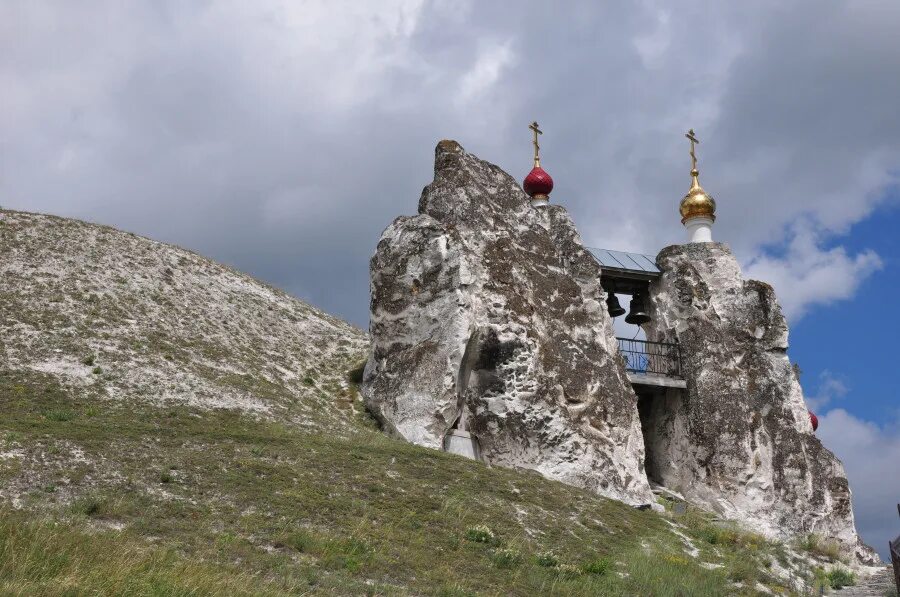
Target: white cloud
{"x":830,"y":388}
{"x":653,"y":44}
{"x":870,"y":452}
{"x":486,"y":71}
{"x":809,"y":274}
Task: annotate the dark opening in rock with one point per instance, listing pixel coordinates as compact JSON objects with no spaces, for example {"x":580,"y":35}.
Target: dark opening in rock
{"x":491,"y":356}
{"x":651,"y":408}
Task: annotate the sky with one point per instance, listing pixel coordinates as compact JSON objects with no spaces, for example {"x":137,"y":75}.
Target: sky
{"x":283,"y":137}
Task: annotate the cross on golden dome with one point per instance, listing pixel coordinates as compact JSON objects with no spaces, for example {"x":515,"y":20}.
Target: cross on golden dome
{"x":690,"y":135}
{"x":697,"y":203}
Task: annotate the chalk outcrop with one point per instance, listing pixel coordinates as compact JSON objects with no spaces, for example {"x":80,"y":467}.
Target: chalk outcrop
{"x":488,"y":318}
{"x":488,"y":315}
{"x":739,"y":440}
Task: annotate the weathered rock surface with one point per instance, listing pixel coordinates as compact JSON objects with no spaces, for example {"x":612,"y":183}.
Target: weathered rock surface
{"x":739,"y":440}
{"x":487,"y":314}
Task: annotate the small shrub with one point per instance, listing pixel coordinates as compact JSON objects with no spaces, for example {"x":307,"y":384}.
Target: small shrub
{"x":309,"y":381}
{"x":830,"y":550}
{"x":809,"y":543}
{"x":302,"y":541}
{"x":89,"y":360}
{"x":59,"y":415}
{"x":598,"y":567}
{"x":715,"y":535}
{"x":481,"y":534}
{"x":568,"y":570}
{"x":506,"y":558}
{"x":88,"y":506}
{"x":97,"y":371}
{"x":678,"y":560}
{"x":547,"y":559}
{"x":11,"y":437}
{"x":744,"y":570}
{"x":165,"y":477}
{"x":814,"y":544}
{"x":350,"y":554}
{"x":839,"y":578}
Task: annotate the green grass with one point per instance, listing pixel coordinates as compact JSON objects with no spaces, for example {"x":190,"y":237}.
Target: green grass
{"x":42,"y":557}
{"x":822,"y":548}
{"x":839,"y":578}
{"x":172,"y":501}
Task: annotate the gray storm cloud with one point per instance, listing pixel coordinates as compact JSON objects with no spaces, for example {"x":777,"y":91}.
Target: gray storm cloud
{"x":282,"y":138}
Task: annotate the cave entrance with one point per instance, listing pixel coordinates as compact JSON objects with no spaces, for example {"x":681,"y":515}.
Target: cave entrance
{"x":660,"y":410}
{"x":651,"y":409}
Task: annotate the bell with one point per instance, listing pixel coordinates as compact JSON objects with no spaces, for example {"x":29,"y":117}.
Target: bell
{"x":636,"y":311}
{"x":613,"y":306}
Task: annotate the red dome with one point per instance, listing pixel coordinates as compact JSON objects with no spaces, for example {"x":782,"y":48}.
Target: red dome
{"x":813,"y":419}
{"x":538,"y":182}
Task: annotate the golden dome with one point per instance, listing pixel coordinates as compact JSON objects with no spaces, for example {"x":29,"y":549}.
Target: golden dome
{"x":697,"y":203}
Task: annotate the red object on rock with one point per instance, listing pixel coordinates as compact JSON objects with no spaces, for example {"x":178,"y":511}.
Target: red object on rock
{"x":813,"y":419}
{"x":538,"y":183}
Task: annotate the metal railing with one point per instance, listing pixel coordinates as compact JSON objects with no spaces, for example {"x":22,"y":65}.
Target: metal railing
{"x":894,"y":548}
{"x":659,"y":358}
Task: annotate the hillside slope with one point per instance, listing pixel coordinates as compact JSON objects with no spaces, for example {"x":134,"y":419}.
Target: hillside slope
{"x":173,"y":427}
{"x":123,"y":317}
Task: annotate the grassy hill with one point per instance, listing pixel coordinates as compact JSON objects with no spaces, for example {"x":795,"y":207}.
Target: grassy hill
{"x":173,"y":427}
{"x":128,"y":319}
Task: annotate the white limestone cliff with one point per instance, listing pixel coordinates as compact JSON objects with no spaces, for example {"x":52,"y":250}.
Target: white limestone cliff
{"x":739,"y":441}
{"x":487,"y":317}
{"x":488,"y":309}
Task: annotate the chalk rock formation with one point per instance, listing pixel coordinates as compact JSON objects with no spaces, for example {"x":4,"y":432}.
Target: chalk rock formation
{"x":740,"y":440}
{"x":488,"y":314}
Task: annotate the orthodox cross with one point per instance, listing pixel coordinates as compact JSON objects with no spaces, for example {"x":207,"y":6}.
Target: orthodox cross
{"x":537,"y":148}
{"x":693,"y":140}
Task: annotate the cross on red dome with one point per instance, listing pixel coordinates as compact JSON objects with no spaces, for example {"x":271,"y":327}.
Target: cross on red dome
{"x":538,"y":183}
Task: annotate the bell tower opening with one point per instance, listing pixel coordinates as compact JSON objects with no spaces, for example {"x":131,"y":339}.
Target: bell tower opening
{"x":653,"y":368}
